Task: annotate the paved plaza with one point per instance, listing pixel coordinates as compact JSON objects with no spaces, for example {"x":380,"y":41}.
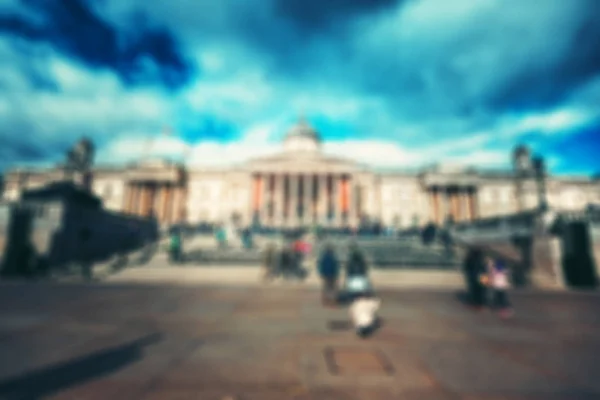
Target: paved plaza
{"x":134,"y":341}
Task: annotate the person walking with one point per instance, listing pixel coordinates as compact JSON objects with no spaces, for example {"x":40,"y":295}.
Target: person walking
{"x":357,"y":263}
{"x":175,"y":246}
{"x":287,"y":261}
{"x":329,"y":271}
{"x":221,"y":236}
{"x":357,"y":274}
{"x":363,"y":312}
{"x":475,"y":269}
{"x":270,"y":262}
{"x":499,"y":283}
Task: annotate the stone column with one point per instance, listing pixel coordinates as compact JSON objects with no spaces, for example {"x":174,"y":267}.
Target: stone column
{"x":444,"y":204}
{"x":264,"y":199}
{"x":431,"y":204}
{"x":272,"y":179}
{"x":455,"y":205}
{"x":135,"y":199}
{"x":301,"y":198}
{"x":142,"y":201}
{"x":358,"y":201}
{"x":139,"y":199}
{"x":335,"y":195}
{"x":165,"y":212}
{"x":183,"y":209}
{"x":308,"y":198}
{"x":255,"y":197}
{"x":149,"y":200}
{"x":175,"y":206}
{"x":344,"y":200}
{"x":293,"y":201}
{"x":153,"y":189}
{"x":277,"y":200}
{"x":436,"y":204}
{"x":126,"y":198}
{"x":179,"y":210}
{"x":322,"y":200}
{"x":160,"y":209}
{"x":351,"y":201}
{"x":473,"y":214}
{"x":462,"y":202}
{"x":284,"y":199}
{"x":165,"y":206}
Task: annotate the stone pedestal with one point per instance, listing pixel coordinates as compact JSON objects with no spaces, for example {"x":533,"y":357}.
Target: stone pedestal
{"x":546,"y":262}
{"x":546,"y":254}
{"x":595,"y":243}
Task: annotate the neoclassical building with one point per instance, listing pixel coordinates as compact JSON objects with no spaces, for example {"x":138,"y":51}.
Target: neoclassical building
{"x":303,"y":186}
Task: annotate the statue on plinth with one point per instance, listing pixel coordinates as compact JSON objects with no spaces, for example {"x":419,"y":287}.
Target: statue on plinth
{"x":78,"y":163}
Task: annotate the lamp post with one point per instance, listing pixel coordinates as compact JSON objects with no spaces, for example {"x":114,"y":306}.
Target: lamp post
{"x":539,"y":168}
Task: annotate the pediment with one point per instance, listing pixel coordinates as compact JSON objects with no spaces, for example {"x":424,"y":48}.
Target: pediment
{"x":302,"y":163}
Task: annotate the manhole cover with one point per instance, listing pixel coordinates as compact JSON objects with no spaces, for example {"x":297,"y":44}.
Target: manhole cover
{"x":357,"y":361}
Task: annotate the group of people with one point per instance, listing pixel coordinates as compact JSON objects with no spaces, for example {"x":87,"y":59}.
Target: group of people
{"x":487,"y":282}
{"x":357,"y":291}
{"x":223,"y":234}
{"x":287,"y":260}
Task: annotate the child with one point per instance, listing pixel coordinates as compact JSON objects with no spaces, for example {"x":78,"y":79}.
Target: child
{"x":499,"y":281}
{"x":363,"y":312}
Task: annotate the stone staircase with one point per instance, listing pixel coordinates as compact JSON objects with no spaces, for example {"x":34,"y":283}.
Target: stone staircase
{"x":381,"y":253}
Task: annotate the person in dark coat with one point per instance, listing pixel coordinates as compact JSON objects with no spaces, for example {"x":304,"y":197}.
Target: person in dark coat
{"x":270,"y":262}
{"x":474,"y":269}
{"x":287,"y":262}
{"x":329,"y":270}
{"x":428,"y":234}
{"x":357,"y":264}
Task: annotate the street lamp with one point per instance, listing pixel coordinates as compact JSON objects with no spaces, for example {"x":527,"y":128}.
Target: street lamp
{"x":539,"y":168}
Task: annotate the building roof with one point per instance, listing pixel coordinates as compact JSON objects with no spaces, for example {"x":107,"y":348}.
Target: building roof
{"x":303,"y":129}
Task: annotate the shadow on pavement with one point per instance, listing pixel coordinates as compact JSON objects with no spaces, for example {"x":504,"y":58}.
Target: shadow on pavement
{"x":49,"y":380}
{"x":462,"y":297}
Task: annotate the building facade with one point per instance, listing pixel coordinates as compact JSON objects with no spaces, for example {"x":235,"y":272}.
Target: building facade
{"x":303,"y":186}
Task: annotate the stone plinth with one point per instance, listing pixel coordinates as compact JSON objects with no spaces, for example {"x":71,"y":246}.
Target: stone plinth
{"x":546,"y":262}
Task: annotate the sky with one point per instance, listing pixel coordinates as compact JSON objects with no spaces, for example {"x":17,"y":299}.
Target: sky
{"x":390,"y":83}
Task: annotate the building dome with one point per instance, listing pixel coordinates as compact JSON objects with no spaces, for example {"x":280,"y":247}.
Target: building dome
{"x":302,"y":137}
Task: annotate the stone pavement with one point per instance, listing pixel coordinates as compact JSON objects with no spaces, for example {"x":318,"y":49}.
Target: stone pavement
{"x":86,"y":342}
{"x":159,"y":271}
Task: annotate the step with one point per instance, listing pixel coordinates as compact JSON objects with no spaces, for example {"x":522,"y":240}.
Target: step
{"x":248,"y":275}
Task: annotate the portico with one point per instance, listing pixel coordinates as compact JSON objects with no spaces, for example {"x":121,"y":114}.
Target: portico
{"x":452,"y":193}
{"x":291,"y":199}
{"x":158,"y":189}
{"x":452,"y":201}
{"x":303,"y":187}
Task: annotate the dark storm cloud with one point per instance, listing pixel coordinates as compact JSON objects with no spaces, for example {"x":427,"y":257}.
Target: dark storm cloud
{"x":313,"y":16}
{"x":549,"y":85}
{"x":144,"y":55}
{"x":373,"y":69}
{"x":324,"y":42}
